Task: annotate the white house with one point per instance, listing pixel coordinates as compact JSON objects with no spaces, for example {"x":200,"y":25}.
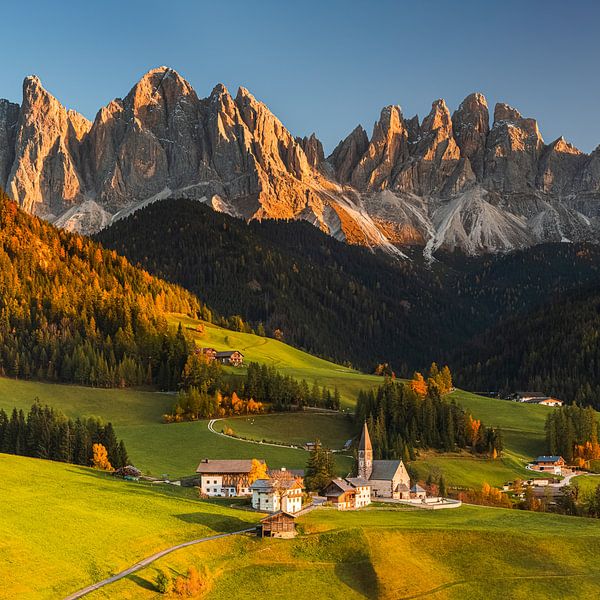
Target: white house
{"x":348,"y":494}
{"x":225,"y":478}
{"x":282,"y":492}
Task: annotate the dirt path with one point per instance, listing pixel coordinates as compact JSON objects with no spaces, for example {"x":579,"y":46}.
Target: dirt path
{"x":146,"y":561}
{"x":211,"y":428}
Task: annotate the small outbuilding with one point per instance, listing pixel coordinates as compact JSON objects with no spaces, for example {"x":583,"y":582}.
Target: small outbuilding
{"x":280,"y":525}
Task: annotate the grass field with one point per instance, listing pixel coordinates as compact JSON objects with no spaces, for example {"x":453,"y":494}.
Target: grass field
{"x":153,"y":446}
{"x":64,"y":527}
{"x":468,"y":554}
{"x":333,"y":430}
{"x":288,"y":360}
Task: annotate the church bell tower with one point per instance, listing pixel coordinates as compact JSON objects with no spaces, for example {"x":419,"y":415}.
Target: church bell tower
{"x":365,"y":454}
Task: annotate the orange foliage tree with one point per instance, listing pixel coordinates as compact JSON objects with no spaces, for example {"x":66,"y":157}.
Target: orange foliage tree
{"x":100,"y":458}
{"x":418,"y":384}
{"x":258,"y":470}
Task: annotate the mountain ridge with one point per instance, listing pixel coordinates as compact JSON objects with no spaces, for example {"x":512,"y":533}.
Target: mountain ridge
{"x":446,"y":182}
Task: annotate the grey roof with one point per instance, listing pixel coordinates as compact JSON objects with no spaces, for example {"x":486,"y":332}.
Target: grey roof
{"x":416,"y":488}
{"x":265,"y":485}
{"x":548,"y":458}
{"x":225,"y":466}
{"x":384,"y":469}
{"x":227,"y":353}
{"x":275,"y":514}
{"x":402,"y":487}
{"x":342,"y":484}
{"x":531,"y":394}
{"x":358,"y":481}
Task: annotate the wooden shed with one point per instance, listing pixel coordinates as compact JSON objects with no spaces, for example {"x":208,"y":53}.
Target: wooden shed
{"x":280,"y":524}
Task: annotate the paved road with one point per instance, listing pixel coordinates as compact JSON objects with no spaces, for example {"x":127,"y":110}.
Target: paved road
{"x":211,"y":428}
{"x":149,"y":560}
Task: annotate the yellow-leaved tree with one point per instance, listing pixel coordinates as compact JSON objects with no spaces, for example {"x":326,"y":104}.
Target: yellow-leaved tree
{"x":100,"y":458}
{"x":418,"y":384}
{"x":258,"y":470}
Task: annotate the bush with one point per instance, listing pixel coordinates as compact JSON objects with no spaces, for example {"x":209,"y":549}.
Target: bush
{"x":163,"y":582}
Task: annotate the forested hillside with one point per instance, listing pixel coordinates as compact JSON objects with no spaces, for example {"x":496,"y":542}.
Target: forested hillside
{"x":71,"y":311}
{"x":331,"y":299}
{"x":497,"y":320}
{"x":554,"y":349}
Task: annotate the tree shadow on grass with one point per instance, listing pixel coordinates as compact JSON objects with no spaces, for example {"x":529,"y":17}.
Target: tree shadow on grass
{"x":361,"y":577}
{"x":143,"y":583}
{"x":215,"y":522}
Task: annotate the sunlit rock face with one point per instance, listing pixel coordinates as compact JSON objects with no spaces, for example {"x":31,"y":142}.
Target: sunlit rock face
{"x":448,"y":181}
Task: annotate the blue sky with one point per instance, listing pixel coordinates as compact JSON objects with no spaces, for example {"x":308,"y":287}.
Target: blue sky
{"x":322,"y":66}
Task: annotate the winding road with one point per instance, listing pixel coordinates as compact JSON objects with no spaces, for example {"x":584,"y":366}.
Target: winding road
{"x":146,"y":561}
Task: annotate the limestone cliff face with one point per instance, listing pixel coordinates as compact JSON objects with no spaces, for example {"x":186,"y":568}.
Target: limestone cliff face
{"x":45,"y":174}
{"x":448,"y":181}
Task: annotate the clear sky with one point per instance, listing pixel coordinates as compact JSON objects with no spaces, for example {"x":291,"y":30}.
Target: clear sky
{"x":325,"y":65}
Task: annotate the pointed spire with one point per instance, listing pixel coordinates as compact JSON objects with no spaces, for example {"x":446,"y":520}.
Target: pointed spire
{"x":365,"y":440}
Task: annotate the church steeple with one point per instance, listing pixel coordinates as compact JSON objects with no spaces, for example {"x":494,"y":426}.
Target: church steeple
{"x":365,"y":454}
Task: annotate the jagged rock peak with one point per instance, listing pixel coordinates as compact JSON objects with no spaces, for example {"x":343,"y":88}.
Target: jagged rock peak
{"x":438,"y":118}
{"x":505,"y":112}
{"x":348,"y":152}
{"x":471,"y":125}
{"x":313,"y":149}
{"x":561,"y":145}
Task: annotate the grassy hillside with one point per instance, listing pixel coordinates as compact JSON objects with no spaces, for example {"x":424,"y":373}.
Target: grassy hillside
{"x":467,"y":554}
{"x":153,"y":446}
{"x":287,"y":360}
{"x":64,"y":527}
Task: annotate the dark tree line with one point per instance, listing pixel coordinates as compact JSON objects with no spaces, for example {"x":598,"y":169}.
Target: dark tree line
{"x":47,"y":433}
{"x":401,"y":421}
{"x":572,"y":432}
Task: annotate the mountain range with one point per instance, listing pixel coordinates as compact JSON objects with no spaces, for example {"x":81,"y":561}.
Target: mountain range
{"x":446,"y":182}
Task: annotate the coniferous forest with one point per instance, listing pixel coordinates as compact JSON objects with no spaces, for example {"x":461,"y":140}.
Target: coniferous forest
{"x":400,"y":420}
{"x":71,"y":311}
{"x":47,"y":433}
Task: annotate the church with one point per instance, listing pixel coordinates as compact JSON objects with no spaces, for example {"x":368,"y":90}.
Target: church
{"x":388,"y":478}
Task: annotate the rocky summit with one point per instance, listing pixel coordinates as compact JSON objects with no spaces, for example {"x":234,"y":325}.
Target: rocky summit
{"x":448,"y":181}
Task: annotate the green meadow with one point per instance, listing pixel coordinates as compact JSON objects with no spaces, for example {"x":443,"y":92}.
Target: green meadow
{"x":397,"y":554}
{"x":64,"y":527}
{"x":287,"y":360}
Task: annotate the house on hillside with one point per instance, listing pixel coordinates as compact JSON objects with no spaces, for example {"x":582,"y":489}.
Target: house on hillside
{"x":348,"y":494}
{"x":388,"y":478}
{"x":549,"y":401}
{"x":280,"y":524}
{"x":209,"y":353}
{"x":233,"y":358}
{"x":281,"y":491}
{"x":225,"y":478}
{"x":548,"y":464}
{"x":526,"y":396}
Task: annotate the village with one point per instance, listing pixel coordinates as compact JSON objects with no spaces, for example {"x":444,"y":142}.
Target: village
{"x":281,"y":492}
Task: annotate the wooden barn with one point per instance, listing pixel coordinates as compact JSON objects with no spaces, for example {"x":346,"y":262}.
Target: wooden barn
{"x":280,"y":524}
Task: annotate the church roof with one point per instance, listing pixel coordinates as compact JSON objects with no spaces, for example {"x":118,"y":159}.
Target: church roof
{"x":365,"y":439}
{"x":385,"y":469}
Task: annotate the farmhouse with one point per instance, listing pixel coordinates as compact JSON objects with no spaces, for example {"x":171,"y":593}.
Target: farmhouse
{"x":536,"y":398}
{"x":549,"y":464}
{"x":225,"y":477}
{"x":226,"y":357}
{"x":281,"y":491}
{"x":388,"y":478}
{"x":348,"y":494}
{"x":230,"y":357}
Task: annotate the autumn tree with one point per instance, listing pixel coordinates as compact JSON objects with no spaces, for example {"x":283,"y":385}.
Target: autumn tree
{"x":418,"y":384}
{"x":100,"y":458}
{"x":258,"y":470}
